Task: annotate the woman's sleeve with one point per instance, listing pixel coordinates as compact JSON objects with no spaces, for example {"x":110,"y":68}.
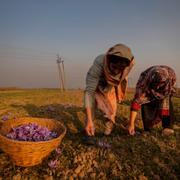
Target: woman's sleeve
{"x":140,"y":96}
{"x":92,"y":80}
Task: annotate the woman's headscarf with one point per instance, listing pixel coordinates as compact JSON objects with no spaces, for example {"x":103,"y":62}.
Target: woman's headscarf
{"x":119,"y":81}
{"x":154,"y":76}
{"x":121,"y":51}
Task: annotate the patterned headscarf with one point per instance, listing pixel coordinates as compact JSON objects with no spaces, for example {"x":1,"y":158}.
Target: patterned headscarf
{"x":150,"y":79}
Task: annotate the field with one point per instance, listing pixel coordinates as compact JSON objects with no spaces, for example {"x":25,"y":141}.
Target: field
{"x":143,"y":156}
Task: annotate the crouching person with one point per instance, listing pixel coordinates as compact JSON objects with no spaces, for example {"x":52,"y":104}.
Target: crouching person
{"x":154,"y":91}
{"x":106,"y":84}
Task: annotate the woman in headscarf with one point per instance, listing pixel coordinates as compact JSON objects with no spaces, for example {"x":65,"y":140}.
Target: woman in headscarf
{"x":154,"y":90}
{"x":106,"y":84}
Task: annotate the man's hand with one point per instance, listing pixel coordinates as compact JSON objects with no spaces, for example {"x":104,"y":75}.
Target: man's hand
{"x":90,"y":129}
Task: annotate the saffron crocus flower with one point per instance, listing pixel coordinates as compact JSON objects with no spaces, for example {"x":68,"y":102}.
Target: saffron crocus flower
{"x":31,"y":132}
{"x":5,"y":117}
{"x":53,"y":164}
{"x":50,"y":108}
{"x":104,"y":145}
{"x":58,"y":151}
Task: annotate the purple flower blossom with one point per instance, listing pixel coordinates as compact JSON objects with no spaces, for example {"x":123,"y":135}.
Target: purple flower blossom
{"x":53,"y":164}
{"x":31,"y":132}
{"x":5,"y":117}
{"x":50,"y":108}
{"x":104,"y":145}
{"x":58,"y":151}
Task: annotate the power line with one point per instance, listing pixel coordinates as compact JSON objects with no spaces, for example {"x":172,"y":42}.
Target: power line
{"x":6,"y":46}
{"x":25,"y":56}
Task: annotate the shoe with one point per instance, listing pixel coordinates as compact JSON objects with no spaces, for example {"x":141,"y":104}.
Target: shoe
{"x":167,"y":131}
{"x":108,"y":127}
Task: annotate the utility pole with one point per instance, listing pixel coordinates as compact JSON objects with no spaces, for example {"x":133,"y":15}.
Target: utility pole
{"x":60,"y":64}
{"x":63,"y":71}
{"x":130,"y":82}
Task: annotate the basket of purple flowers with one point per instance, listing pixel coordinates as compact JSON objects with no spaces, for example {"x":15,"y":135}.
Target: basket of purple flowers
{"x":29,"y":140}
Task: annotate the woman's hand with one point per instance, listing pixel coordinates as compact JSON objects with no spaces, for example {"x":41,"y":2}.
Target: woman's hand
{"x":131,"y":129}
{"x":90,"y":129}
{"x":89,"y":123}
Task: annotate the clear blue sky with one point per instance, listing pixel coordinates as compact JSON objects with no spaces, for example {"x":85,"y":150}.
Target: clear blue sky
{"x":32,"y":32}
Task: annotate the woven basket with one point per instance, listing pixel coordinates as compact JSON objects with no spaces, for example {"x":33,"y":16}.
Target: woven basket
{"x":26,"y":153}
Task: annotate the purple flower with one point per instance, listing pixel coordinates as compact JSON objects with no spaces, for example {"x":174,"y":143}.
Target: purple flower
{"x":58,"y":151}
{"x":104,"y":145}
{"x":5,"y":117}
{"x":50,"y":108}
{"x":53,"y":164}
{"x":31,"y":132}
{"x":53,"y":134}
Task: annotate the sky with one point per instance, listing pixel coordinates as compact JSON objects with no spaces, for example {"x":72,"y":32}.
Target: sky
{"x":33,"y":32}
